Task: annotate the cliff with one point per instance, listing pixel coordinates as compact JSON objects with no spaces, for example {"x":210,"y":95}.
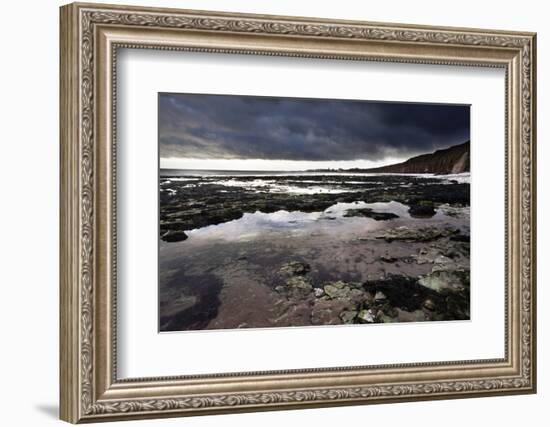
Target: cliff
{"x":455,"y":159}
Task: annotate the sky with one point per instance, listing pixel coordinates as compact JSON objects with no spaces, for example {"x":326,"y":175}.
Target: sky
{"x":234,"y":132}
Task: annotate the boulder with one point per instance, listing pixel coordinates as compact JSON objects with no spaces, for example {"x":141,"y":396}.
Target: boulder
{"x":174,"y":236}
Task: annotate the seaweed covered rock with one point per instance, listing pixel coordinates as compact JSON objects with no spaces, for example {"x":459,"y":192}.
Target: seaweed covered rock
{"x":367,"y":316}
{"x":421,"y":210}
{"x":413,"y":234}
{"x":295,"y":268}
{"x":349,"y":291}
{"x":348,"y":316}
{"x":296,"y":282}
{"x":444,"y":279}
{"x":370,"y":213}
{"x":174,"y":236}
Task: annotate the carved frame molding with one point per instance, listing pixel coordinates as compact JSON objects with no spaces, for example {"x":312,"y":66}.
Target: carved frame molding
{"x":90,"y":36}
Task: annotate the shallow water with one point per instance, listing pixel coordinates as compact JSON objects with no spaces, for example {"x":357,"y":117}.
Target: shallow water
{"x":331,"y":222}
{"x":222,"y":272}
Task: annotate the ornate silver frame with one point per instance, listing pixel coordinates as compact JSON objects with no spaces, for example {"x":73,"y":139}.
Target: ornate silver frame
{"x":90,"y":36}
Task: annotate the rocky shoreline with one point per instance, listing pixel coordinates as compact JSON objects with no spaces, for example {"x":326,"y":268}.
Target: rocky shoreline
{"x":187,"y":205}
{"x":441,"y":294}
{"x":367,"y":265}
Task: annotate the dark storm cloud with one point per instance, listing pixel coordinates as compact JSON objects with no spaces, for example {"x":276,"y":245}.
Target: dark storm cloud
{"x":218,"y":126}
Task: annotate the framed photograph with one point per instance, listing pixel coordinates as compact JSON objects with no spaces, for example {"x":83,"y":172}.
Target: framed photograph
{"x":265,"y":212}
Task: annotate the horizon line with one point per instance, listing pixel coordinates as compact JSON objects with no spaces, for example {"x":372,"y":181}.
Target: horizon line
{"x":221,"y":164}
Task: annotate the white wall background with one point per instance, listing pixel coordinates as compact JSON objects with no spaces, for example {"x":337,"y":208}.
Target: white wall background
{"x":29,"y":171}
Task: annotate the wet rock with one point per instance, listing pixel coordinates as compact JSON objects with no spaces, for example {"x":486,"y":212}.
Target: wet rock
{"x":299,"y":286}
{"x":459,"y":248}
{"x":384,"y":318}
{"x":453,"y":253}
{"x":408,"y":300}
{"x":348,"y":316}
{"x":366,"y":316}
{"x":344,"y":290}
{"x":368,"y":299}
{"x":461,"y":238}
{"x":409,"y":234}
{"x":457,"y":307}
{"x":400,"y":291}
{"x":440,"y":280}
{"x":318,"y":292}
{"x":446,"y":258}
{"x":336,"y":290}
{"x":429,"y":305}
{"x":379,"y":297}
{"x":387,"y":310}
{"x":427,"y":255}
{"x":179,"y":218}
{"x":207,"y":202}
{"x":421,"y":211}
{"x":174,"y":236}
{"x":405,"y":298}
{"x":295,"y":268}
{"x":370,"y":213}
{"x":451,"y":211}
{"x":441,"y":262}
